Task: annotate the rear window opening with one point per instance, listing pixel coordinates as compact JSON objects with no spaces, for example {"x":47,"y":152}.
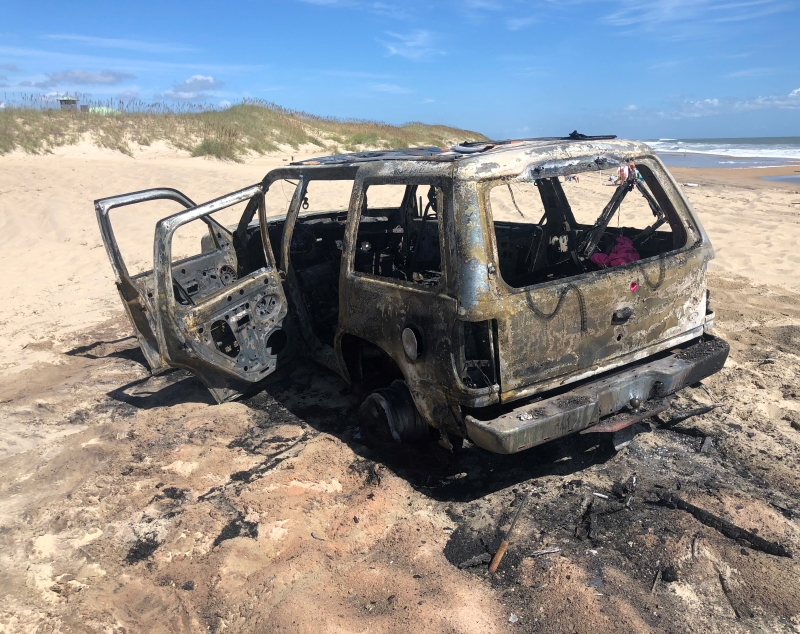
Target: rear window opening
{"x":551,"y":228}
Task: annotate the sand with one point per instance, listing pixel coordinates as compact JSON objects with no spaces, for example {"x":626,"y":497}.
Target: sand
{"x":132,"y":503}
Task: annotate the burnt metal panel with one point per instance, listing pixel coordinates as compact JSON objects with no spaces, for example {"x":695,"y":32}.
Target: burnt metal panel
{"x":534,"y":423}
{"x":187,"y":332}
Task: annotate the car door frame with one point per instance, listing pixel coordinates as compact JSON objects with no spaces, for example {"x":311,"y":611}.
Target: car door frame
{"x":378,"y":309}
{"x":179,"y":328}
{"x":138,"y":306}
{"x":309,"y":342}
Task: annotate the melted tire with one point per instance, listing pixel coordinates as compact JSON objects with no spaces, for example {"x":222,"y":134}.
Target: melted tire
{"x":389,"y":415}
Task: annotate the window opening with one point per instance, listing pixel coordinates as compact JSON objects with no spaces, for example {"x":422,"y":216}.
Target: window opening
{"x":213,"y":252}
{"x":557,"y":227}
{"x":398,"y":233}
{"x":205,"y":257}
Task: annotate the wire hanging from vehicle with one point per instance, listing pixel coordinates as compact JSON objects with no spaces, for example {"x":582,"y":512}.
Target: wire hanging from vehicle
{"x":562,"y":295}
{"x":514,"y":200}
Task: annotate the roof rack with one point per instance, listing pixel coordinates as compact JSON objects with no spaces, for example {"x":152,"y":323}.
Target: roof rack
{"x":433,"y":153}
{"x":573,"y":136}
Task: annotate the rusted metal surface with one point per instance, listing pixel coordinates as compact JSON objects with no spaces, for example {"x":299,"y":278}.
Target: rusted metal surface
{"x":481,"y":343}
{"x":622,"y":422}
{"x":529,"y":424}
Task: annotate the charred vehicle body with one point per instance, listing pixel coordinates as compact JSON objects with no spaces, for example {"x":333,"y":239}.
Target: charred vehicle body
{"x":504,"y":292}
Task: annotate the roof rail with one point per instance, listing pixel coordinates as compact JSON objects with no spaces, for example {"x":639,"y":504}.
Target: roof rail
{"x":573,"y":136}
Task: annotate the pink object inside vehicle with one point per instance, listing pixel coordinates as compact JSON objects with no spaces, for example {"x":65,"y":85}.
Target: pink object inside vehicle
{"x":622,"y":253}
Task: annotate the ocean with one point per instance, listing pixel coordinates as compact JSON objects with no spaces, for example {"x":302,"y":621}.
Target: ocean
{"x":732,"y":153}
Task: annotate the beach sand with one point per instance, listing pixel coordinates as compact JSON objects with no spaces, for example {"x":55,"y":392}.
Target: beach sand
{"x":131,"y":503}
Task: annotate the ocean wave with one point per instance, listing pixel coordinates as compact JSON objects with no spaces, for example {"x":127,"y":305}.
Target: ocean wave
{"x":777,"y":151}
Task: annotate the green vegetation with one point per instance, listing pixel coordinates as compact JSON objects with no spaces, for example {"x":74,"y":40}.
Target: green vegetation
{"x":251,"y":126}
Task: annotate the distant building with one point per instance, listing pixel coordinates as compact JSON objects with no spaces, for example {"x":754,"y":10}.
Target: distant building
{"x":68,"y":103}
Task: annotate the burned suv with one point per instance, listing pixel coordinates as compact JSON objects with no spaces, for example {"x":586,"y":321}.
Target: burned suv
{"x":505,"y":292}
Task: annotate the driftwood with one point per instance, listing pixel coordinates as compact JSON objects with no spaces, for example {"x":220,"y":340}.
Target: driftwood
{"x":723,"y":526}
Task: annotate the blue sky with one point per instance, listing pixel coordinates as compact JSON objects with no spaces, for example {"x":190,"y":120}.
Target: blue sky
{"x":507,"y":68}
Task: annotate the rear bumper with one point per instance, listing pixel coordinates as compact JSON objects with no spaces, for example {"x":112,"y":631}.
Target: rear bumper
{"x":535,"y":423}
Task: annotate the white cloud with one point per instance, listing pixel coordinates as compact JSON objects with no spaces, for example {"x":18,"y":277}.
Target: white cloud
{"x":396,"y":10}
{"x":193,"y":88}
{"x":130,"y":45}
{"x":79,"y":60}
{"x":11,"y":68}
{"x":355,"y":73}
{"x":199,"y":82}
{"x":224,"y":104}
{"x":651,"y":15}
{"x":694,"y":108}
{"x":418,"y":45}
{"x":753,"y":72}
{"x":127,"y":95}
{"x":486,"y":5}
{"x":80,"y":77}
{"x":389,"y":10}
{"x":631,"y":108}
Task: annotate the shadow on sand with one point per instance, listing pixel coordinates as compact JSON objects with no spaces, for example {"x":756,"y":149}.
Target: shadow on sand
{"x":304,"y":392}
{"x":325,"y":402}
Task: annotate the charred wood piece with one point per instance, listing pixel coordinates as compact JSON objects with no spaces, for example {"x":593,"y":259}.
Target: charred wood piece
{"x":698,"y":411}
{"x":477,"y":560}
{"x":725,"y":527}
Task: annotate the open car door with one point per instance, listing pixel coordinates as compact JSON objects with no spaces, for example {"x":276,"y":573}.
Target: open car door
{"x":211,"y":313}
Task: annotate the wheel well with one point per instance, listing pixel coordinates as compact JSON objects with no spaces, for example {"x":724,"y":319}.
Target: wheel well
{"x":368,"y":364}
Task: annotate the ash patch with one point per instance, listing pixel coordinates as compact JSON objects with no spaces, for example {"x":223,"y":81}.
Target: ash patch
{"x":467,"y":544}
{"x":572,"y":401}
{"x":701,"y":350}
{"x":150,"y":534}
{"x":367,"y":469}
{"x":141,"y":550}
{"x":174,"y":493}
{"x":238,"y":527}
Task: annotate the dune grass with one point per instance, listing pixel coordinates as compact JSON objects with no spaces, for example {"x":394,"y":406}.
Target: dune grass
{"x":229,"y":134}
